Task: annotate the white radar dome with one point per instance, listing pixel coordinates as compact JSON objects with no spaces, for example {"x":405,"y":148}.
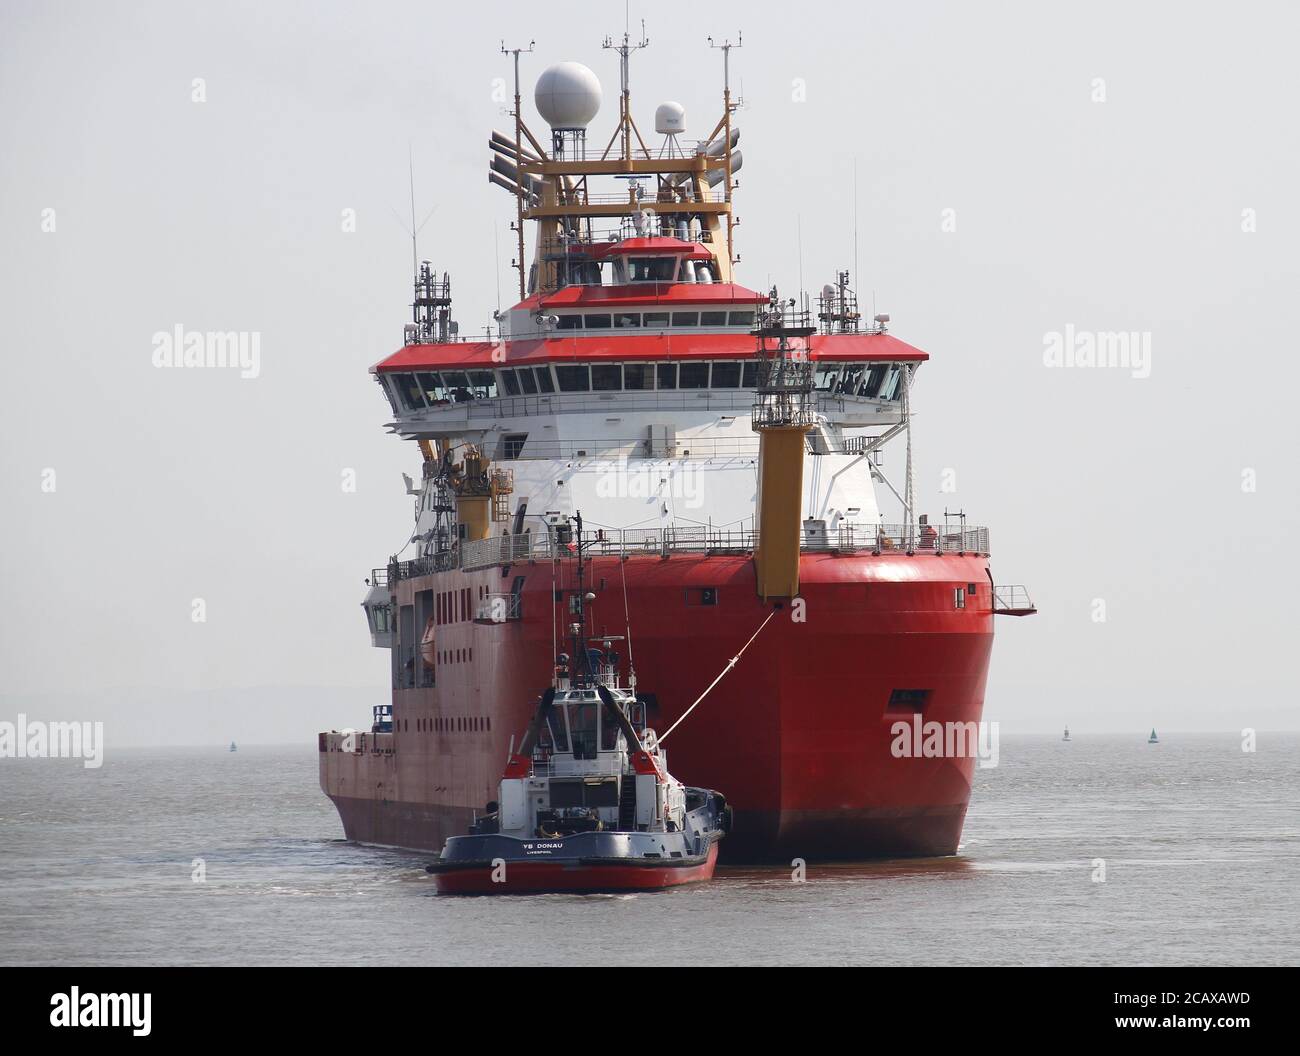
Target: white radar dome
{"x":670,"y":118}
{"x":567,"y":95}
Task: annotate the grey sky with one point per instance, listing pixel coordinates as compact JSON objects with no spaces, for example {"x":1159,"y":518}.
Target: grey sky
{"x":1123,"y":214}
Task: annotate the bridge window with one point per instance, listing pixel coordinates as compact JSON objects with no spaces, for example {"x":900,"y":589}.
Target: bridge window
{"x":667,"y":375}
{"x":597,"y":322}
{"x":749,"y":378}
{"x":483,"y":383}
{"x":573,"y":379}
{"x":606,"y":377}
{"x":745,"y":319}
{"x":651,"y":269}
{"x":623,"y":320}
{"x":528,"y":382}
{"x":686,"y":318}
{"x":891,"y":389}
{"x":693,"y":376}
{"x":569,"y":322}
{"x":826,"y":375}
{"x":638,"y":376}
{"x":655,"y":320}
{"x":544,"y":381}
{"x":713,"y":318}
{"x":408,"y":391}
{"x":511,"y":383}
{"x":726,"y":375}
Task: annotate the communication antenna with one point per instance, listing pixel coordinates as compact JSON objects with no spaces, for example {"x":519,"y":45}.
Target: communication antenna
{"x":728,"y":107}
{"x":626,"y":126}
{"x":519,"y":136}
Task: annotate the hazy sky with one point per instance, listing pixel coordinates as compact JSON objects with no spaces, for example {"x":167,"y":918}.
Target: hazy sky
{"x":1108,"y":167}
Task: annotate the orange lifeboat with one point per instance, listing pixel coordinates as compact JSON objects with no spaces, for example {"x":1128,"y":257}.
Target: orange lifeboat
{"x":427,"y":645}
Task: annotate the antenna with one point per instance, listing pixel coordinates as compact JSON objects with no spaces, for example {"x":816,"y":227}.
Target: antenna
{"x":727,"y":108}
{"x":625,"y":123}
{"x":519,"y":155}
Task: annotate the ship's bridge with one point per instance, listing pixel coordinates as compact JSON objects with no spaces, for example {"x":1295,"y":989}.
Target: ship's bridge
{"x":651,"y":360}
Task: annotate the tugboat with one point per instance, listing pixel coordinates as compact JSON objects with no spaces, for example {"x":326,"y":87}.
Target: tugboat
{"x":586,"y":803}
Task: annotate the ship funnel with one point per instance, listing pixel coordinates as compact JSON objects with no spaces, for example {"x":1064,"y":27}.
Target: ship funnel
{"x":567,"y":96}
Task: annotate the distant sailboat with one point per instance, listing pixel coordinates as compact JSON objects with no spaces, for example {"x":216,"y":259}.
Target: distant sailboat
{"x":1067,"y":734}
{"x":233,"y":748}
{"x":1153,"y":739}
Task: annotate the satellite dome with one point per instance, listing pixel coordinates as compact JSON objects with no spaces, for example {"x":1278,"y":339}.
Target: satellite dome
{"x":567,"y":95}
{"x":670,"y":118}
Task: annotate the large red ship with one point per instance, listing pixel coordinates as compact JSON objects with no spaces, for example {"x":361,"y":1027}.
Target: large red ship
{"x":724,"y":449}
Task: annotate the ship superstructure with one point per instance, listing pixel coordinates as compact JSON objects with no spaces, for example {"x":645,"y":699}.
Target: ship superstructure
{"x":727,"y":450}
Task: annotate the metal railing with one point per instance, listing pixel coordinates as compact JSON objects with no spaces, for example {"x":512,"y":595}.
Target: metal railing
{"x":1013,"y":600}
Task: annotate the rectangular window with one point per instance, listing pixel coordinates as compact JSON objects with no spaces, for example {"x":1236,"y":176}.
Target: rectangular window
{"x":511,"y":382}
{"x":528,"y":382}
{"x":713,"y":318}
{"x":569,"y":322}
{"x":655,"y":320}
{"x":908,"y":699}
{"x":513,"y":444}
{"x":749,"y":378}
{"x":726,"y":375}
{"x":597,"y":322}
{"x":686,"y":318}
{"x":693,"y":376}
{"x":959,"y":597}
{"x":543,"y":376}
{"x":623,"y":320}
{"x":667,"y":375}
{"x":745,"y":319}
{"x":638,"y":376}
{"x":606,"y":377}
{"x":484,"y":384}
{"x":573,"y":379}
{"x":430,"y":385}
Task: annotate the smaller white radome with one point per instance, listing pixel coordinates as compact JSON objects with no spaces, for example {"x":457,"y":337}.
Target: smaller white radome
{"x":670,"y":118}
{"x":567,"y":95}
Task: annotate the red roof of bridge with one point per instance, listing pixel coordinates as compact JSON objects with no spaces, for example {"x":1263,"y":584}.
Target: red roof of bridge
{"x":620,"y":346}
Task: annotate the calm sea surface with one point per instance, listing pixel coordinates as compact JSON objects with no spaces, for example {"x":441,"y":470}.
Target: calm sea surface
{"x":1201,"y":844}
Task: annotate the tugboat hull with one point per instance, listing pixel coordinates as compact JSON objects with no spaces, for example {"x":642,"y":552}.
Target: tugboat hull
{"x":571,"y":874}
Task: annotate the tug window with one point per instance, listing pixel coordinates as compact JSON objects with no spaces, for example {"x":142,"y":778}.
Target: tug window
{"x":892,"y":388}
{"x":686,"y":318}
{"x":543,"y":376}
{"x":745,"y":319}
{"x":528,"y":382}
{"x":655,"y":320}
{"x":749,"y":380}
{"x":573,"y":379}
{"x":667,"y":374}
{"x":597,"y":322}
{"x":431,"y":386}
{"x":511,"y":382}
{"x":713,"y":318}
{"x":606,"y":378}
{"x":826,"y":374}
{"x":638,"y":376}
{"x":874,"y":378}
{"x":569,"y":322}
{"x":623,"y":320}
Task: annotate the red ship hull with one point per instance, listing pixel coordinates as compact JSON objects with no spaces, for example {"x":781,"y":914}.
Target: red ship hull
{"x":798,"y":736}
{"x":535,"y":878}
